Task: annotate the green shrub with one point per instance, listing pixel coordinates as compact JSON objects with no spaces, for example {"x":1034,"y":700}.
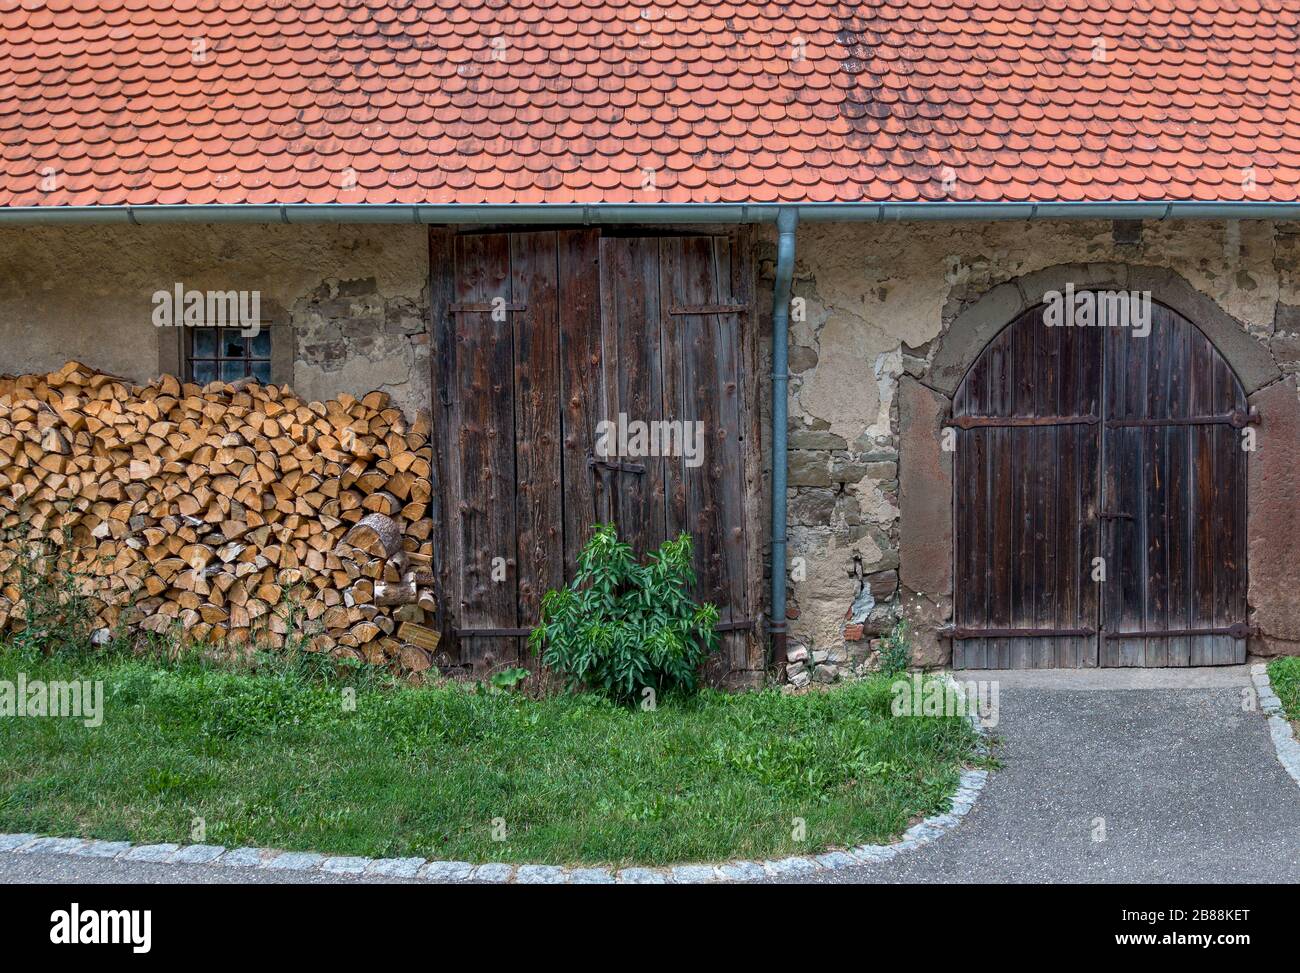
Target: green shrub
{"x":622,"y":627}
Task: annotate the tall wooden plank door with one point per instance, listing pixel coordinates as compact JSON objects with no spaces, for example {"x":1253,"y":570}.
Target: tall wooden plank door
{"x":543,"y":335}
{"x":481,"y":462}
{"x":673,"y":310}
{"x":1174,"y":509}
{"x":1027,"y":438}
{"x":703,"y":379}
{"x":498,"y":361}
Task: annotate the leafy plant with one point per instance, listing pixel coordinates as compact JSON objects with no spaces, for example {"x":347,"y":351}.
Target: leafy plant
{"x":508,"y":679}
{"x":895,"y":650}
{"x":622,"y":627}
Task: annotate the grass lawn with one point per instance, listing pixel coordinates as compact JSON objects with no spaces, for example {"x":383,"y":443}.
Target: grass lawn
{"x":1284,"y":674}
{"x":277,"y":760}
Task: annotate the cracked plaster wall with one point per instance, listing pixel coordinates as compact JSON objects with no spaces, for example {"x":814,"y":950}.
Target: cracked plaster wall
{"x":355,"y":297}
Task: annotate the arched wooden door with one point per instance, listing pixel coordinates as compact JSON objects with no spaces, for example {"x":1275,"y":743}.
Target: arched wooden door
{"x":1099,"y":499}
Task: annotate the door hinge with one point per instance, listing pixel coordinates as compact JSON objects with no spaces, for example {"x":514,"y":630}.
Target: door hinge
{"x":618,"y":466}
{"x":709,"y":309}
{"x":1237,"y":630}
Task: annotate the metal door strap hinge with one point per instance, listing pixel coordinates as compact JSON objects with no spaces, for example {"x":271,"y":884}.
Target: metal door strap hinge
{"x":742,"y":625}
{"x":491,"y":632}
{"x":1237,"y":418}
{"x":617,"y":466}
{"x":463,"y":307}
{"x":709,"y":309}
{"x":1238,"y":630}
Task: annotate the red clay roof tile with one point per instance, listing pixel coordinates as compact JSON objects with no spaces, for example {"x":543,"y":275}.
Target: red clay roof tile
{"x":261,"y":101}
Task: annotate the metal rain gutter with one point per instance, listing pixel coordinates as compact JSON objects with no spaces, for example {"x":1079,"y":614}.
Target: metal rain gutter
{"x":576,"y":213}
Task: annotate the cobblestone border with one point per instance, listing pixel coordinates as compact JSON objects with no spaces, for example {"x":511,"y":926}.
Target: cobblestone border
{"x":1279,"y":728}
{"x":971,"y":783}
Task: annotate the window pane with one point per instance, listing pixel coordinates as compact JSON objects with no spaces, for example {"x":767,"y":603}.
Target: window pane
{"x":262,"y":372}
{"x":205,"y":342}
{"x":260,"y":345}
{"x":204,"y":371}
{"x":231,"y":370}
{"x":232,"y":343}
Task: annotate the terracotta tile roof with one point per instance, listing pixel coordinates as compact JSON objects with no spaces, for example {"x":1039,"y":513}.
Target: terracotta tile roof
{"x":442,"y":101}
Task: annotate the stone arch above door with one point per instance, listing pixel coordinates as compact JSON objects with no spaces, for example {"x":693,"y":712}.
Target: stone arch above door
{"x":926,"y":540}
{"x":976,"y":324}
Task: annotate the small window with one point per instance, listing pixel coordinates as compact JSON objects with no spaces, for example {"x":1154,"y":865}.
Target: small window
{"x":225,"y":354}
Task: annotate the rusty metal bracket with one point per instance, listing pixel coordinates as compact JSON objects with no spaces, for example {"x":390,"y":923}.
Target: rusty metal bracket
{"x":742,"y":625}
{"x":709,"y":309}
{"x":618,"y":466}
{"x":491,"y":632}
{"x":1238,"y":630}
{"x":461,"y":307}
{"x":1237,"y":418}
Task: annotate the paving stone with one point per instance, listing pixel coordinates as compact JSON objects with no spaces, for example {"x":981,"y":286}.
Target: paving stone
{"x":873,"y":853}
{"x":198,"y":854}
{"x":492,"y":872}
{"x":592,"y":876}
{"x":295,"y":861}
{"x":540,"y":875}
{"x":103,"y":849}
{"x":446,"y":871}
{"x":789,"y":866}
{"x":693,"y":874}
{"x":8,"y":842}
{"x":741,"y":871}
{"x":347,"y":865}
{"x":243,"y":858}
{"x":54,"y":846}
{"x":642,"y":876}
{"x":151,"y":853}
{"x":836,"y":859}
{"x":395,"y":867}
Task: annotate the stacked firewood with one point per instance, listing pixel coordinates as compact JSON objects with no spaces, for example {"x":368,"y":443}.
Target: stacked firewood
{"x":233,"y":514}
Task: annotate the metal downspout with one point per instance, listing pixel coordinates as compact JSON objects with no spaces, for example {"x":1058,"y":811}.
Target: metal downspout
{"x":786,"y":223}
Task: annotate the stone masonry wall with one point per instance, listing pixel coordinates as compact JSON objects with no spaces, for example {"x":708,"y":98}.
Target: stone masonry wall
{"x":877,"y":296}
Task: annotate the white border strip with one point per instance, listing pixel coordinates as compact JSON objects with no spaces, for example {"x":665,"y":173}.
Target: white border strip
{"x":1284,"y":741}
{"x":922,"y":833}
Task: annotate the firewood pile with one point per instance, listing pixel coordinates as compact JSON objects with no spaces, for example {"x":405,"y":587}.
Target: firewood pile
{"x":232,"y":514}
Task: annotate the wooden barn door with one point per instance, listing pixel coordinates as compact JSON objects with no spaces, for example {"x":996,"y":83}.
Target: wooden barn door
{"x":1173,"y":500}
{"x":542,"y":336}
{"x":1099,"y":500}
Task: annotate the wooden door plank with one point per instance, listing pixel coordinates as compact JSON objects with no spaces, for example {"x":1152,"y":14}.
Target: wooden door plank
{"x":539,"y":504}
{"x":485,"y":515}
{"x":632,"y":330}
{"x":586,"y":501}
